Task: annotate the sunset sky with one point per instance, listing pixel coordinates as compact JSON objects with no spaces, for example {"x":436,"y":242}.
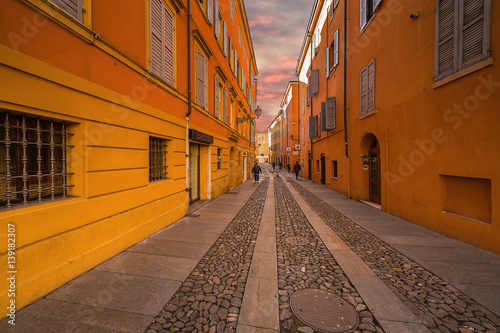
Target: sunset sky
{"x":278,"y":28}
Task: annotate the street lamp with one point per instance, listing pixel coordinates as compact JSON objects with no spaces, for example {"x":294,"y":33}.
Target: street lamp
{"x":292,"y":137}
{"x":257,"y":112}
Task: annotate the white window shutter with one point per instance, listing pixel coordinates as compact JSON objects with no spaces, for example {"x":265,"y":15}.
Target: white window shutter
{"x":336,"y":49}
{"x":200,"y":81}
{"x":231,"y":9}
{"x":226,"y":100}
{"x":217,"y":23}
{"x":156,"y":37}
{"x":376,"y":3}
{"x":216,"y":97}
{"x":205,"y":104}
{"x":363,"y":13}
{"x":327,"y":62}
{"x":371,"y":85}
{"x":168,"y":48}
{"x":445,"y":45}
{"x":364,"y":91}
{"x":225,"y":37}
{"x":210,"y":10}
{"x":330,"y":114}
{"x":72,"y":7}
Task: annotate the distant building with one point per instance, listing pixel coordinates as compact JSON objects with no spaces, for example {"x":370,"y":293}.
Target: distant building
{"x":404,"y":113}
{"x":112,"y":121}
{"x":262,"y":146}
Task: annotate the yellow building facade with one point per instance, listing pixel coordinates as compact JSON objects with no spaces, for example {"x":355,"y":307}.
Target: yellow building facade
{"x":114,"y":117}
{"x":399,"y":106}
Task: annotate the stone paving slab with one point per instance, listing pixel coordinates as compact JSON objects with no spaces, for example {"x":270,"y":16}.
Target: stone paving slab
{"x":253,"y":329}
{"x":150,"y":265}
{"x":169,"y":248}
{"x":398,"y":327}
{"x":190,"y":234}
{"x":259,"y":302}
{"x":52,"y":316}
{"x":136,"y":294}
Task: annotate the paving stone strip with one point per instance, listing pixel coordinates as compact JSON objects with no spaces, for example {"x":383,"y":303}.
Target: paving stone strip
{"x":440,"y":306}
{"x":209,"y":300}
{"x":308,"y":266}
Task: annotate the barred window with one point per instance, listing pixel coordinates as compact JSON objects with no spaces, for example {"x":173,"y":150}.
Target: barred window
{"x":157,"y":159}
{"x":219,"y":158}
{"x":33,"y":155}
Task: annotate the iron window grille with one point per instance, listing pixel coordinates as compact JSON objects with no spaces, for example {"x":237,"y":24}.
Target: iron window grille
{"x":33,"y":157}
{"x":157,"y":159}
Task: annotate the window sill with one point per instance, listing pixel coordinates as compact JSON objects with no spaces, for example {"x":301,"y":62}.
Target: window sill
{"x":370,"y":113}
{"x":463,"y":72}
{"x":334,"y":178}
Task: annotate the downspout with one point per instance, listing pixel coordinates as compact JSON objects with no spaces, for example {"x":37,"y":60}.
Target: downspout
{"x":189,"y":101}
{"x":298,"y":121}
{"x":311,"y":102}
{"x":346,"y":142}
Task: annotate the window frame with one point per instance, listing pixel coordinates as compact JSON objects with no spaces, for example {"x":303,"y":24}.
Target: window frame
{"x":158,"y":150}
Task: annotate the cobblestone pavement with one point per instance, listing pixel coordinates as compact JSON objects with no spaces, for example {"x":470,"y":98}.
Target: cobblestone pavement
{"x":440,"y":306}
{"x":308,"y":266}
{"x":209,"y":300}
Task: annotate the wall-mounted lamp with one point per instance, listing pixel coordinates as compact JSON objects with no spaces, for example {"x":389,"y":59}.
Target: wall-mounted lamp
{"x":414,"y":16}
{"x":292,"y":137}
{"x":257,"y":112}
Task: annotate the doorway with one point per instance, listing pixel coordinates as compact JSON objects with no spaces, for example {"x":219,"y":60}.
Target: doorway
{"x":309,"y":167}
{"x":323,"y":171}
{"x":374,"y":169}
{"x":194,"y":172}
{"x":232,"y":175}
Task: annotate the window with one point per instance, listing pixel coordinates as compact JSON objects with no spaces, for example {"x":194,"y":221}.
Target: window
{"x":334,"y":166}
{"x":157,"y":159}
{"x":329,"y":121}
{"x":303,"y":135}
{"x":201,"y":81}
{"x":73,"y":7}
{"x":367,"y":88}
{"x":210,"y":10}
{"x":367,"y":8}
{"x":239,"y":34}
{"x":303,"y":100}
{"x":161,"y":41}
{"x":33,"y":159}
{"x":219,"y":158}
{"x":226,"y":102}
{"x":333,"y":8}
{"x":332,"y":55}
{"x":217,"y":20}
{"x":462,"y":35}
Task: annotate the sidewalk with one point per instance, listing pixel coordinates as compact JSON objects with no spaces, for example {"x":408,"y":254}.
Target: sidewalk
{"x":223,"y":267}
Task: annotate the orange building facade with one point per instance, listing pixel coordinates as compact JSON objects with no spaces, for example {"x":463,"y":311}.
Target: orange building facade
{"x":115,"y":116}
{"x":398,"y":106}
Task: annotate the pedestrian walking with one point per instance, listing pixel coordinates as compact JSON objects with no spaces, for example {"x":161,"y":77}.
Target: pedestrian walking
{"x":256,"y":171}
{"x":296,"y":169}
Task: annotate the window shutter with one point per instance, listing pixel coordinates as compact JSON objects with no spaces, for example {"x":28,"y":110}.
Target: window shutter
{"x":210,"y":10}
{"x":314,"y":82}
{"x":318,"y":125}
{"x":474,"y":31}
{"x":336,"y":49}
{"x":217,"y":23}
{"x":308,"y":95}
{"x":371,"y":85}
{"x":216,"y":97}
{"x":364,"y":91}
{"x":445,"y":48}
{"x":156,"y":40}
{"x":327,"y":62}
{"x":330,"y":117}
{"x":72,"y":7}
{"x":231,"y":9}
{"x":205,"y":101}
{"x":225,"y":37}
{"x":323,"y":116}
{"x":376,"y":3}
{"x":303,"y":135}
{"x":168,"y":28}
{"x":230,"y":52}
{"x":226,"y":102}
{"x":200,"y":79}
{"x":312,"y":127}
{"x":335,"y":3}
{"x":362,"y":13}
{"x":303,"y":108}
{"x":331,"y":11}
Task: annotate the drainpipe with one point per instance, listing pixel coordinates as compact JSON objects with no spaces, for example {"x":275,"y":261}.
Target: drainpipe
{"x":311,"y":102}
{"x":298,"y":120}
{"x":189,"y":101}
{"x":346,"y":142}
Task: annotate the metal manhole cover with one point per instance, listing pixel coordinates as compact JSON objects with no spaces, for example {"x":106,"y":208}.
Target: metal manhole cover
{"x":295,"y":240}
{"x":324,"y":311}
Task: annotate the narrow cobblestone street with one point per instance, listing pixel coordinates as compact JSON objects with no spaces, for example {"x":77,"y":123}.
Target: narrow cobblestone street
{"x":273,"y":257}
